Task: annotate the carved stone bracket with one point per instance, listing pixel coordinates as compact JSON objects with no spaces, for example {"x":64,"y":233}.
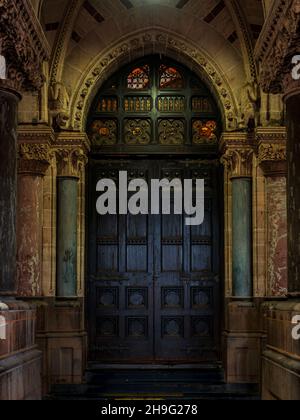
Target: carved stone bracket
{"x":23,"y":44}
{"x":237,"y":154}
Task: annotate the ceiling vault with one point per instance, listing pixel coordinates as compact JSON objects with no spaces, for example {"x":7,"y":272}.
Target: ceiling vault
{"x":244,"y":34}
{"x":62,"y":40}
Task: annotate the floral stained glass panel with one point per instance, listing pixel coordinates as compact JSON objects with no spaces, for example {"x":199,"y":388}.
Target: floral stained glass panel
{"x":170,"y":78}
{"x":139,"y":78}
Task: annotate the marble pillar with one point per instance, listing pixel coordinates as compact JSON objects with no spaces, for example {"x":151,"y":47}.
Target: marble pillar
{"x":8,"y":186}
{"x":67,"y":237}
{"x":238,"y":161}
{"x":242,"y":237}
{"x":293,"y":191}
{"x":271,"y":154}
{"x":33,"y":163}
{"x":71,"y":163}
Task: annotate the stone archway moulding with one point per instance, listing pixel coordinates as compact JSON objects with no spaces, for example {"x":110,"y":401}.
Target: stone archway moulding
{"x":152,"y":41}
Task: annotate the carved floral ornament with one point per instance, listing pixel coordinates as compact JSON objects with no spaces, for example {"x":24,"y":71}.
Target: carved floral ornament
{"x":23,"y":45}
{"x":70,"y":162}
{"x":272,"y":152}
{"x":210,"y":73}
{"x":34,"y":158}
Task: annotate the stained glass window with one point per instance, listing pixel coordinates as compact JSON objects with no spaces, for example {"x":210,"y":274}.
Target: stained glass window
{"x":139,"y":78}
{"x":170,"y":78}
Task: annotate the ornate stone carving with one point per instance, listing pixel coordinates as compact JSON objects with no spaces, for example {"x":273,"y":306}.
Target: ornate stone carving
{"x":23,"y":44}
{"x":59,"y":101}
{"x":70,"y":161}
{"x":238,"y":162}
{"x":249,"y":106}
{"x":34,"y":158}
{"x":278,"y":42}
{"x":272,"y":152}
{"x":237,"y":154}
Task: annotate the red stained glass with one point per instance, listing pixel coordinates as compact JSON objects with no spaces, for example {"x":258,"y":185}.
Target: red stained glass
{"x":139,"y":78}
{"x":170,"y":78}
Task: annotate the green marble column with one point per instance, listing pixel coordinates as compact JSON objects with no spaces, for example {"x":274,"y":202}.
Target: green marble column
{"x":67,"y":237}
{"x":242,"y":237}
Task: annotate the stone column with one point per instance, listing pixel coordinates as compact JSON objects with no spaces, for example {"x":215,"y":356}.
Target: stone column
{"x":70,"y":163}
{"x":241,"y":336}
{"x":238,"y":158}
{"x":272,"y":160}
{"x":8,"y":186}
{"x":292,"y":101}
{"x":34,"y":160}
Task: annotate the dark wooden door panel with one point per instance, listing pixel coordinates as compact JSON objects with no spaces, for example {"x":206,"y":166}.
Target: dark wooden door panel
{"x":153,"y":281}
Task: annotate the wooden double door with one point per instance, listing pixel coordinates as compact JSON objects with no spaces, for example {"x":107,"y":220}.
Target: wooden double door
{"x":153,"y":287}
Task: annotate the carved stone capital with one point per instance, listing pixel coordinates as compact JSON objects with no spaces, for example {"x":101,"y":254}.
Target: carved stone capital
{"x":70,"y":161}
{"x":237,"y":154}
{"x":23,"y":44}
{"x":34,"y":158}
{"x":238,"y":162}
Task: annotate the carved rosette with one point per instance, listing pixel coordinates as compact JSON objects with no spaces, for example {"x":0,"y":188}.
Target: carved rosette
{"x":34,"y":158}
{"x":70,"y":162}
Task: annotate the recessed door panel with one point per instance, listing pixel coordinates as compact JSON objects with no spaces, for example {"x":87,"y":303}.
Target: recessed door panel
{"x":153,"y":280}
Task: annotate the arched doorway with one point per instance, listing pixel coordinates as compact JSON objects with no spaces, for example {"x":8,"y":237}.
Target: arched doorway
{"x":153,"y":282}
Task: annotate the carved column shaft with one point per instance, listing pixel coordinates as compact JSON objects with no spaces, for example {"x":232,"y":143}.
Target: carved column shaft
{"x":34,"y":161}
{"x":8,"y":186}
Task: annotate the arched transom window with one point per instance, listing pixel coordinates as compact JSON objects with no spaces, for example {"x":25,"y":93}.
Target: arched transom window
{"x":154,"y":102}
